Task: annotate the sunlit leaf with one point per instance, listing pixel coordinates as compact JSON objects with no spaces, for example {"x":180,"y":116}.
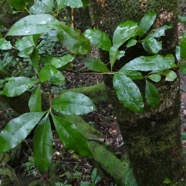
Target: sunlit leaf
{"x":124,"y":32}
{"x":152,"y":95}
{"x":51,"y":74}
{"x":95,"y":65}
{"x":42,"y":142}
{"x":35,"y":100}
{"x":151,"y":63}
{"x":98,"y":38}
{"x":5,"y":45}
{"x":70,"y":136}
{"x":72,"y":103}
{"x":33,"y":24}
{"x":151,"y":45}
{"x":18,"y":129}
{"x":16,"y":86}
{"x":128,"y":92}
{"x":146,"y":23}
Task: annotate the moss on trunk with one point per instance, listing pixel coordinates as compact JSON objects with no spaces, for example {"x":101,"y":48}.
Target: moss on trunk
{"x":152,"y":138}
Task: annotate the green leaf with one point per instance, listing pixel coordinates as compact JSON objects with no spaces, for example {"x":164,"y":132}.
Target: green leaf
{"x":152,"y":95}
{"x":132,"y":74}
{"x":42,"y":143}
{"x":124,"y":32}
{"x":72,"y":39}
{"x":16,"y":86}
{"x":151,"y":63}
{"x":33,"y":24}
{"x":18,"y":4}
{"x":95,"y":65}
{"x":70,"y":136}
{"x":51,"y":74}
{"x":151,"y":45}
{"x":75,"y":4}
{"x":131,"y":43}
{"x":25,"y":45}
{"x":178,"y":53}
{"x":34,"y":102}
{"x":159,"y":32}
{"x":155,"y":77}
{"x":42,"y":7}
{"x":183,"y":46}
{"x":5,"y":45}
{"x":182,"y":19}
{"x":146,"y":22}
{"x":169,"y":75}
{"x":115,"y":54}
{"x":72,"y":103}
{"x":18,"y":129}
{"x":57,"y":62}
{"x":183,"y":68}
{"x":128,"y":92}
{"x":98,"y":38}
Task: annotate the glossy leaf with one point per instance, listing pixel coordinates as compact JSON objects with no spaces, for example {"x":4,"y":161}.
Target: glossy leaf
{"x":159,"y":32}
{"x":25,"y":45}
{"x":183,"y":46}
{"x":132,"y":74}
{"x":152,"y":95}
{"x":115,"y":54}
{"x":124,"y":32}
{"x":155,"y":77}
{"x":33,"y":24}
{"x":57,"y":62}
{"x":131,"y":43}
{"x":42,"y":144}
{"x":42,"y":7}
{"x":72,"y":103}
{"x":128,"y":92}
{"x":70,"y":136}
{"x":146,"y":23}
{"x":18,"y":129}
{"x":34,"y":102}
{"x":51,"y":74}
{"x":98,"y":38}
{"x":151,"y":63}
{"x":16,"y":86}
{"x":72,"y":39}
{"x":95,"y":65}
{"x":151,"y":45}
{"x":178,"y":53}
{"x":5,"y":45}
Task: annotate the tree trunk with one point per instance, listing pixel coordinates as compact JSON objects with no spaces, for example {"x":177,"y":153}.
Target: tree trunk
{"x":152,"y":138}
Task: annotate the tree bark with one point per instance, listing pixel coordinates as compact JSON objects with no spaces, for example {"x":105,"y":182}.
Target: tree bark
{"x":152,"y":138}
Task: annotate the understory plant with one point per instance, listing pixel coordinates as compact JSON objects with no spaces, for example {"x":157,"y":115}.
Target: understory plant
{"x":45,"y":71}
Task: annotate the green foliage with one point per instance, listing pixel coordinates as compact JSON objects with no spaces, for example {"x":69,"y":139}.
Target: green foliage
{"x":31,"y":34}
